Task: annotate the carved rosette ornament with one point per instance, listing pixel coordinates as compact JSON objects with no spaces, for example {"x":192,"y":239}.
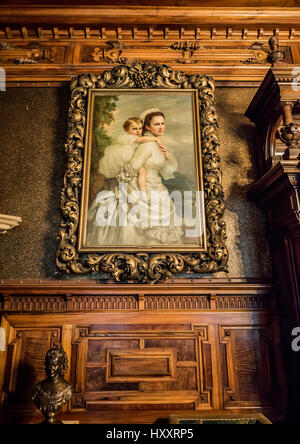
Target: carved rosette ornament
{"x":142,"y":267}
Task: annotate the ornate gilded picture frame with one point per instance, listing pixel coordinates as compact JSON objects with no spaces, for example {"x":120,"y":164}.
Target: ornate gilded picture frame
{"x":142,"y":197}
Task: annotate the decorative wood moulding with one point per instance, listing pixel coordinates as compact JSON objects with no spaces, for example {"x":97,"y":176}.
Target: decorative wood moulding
{"x":116,"y":51}
{"x":275,"y":112}
{"x":56,"y":43}
{"x":148,"y":365}
{"x":86,"y":298}
{"x":78,"y":285}
{"x":91,"y":303}
{"x":147,"y":15}
{"x":206,"y":33}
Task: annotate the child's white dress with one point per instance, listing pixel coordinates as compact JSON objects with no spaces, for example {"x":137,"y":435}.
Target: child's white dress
{"x":115,"y":158}
{"x":122,"y":162}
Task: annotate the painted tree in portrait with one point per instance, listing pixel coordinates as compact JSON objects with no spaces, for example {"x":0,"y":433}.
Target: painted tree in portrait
{"x":103,"y":116}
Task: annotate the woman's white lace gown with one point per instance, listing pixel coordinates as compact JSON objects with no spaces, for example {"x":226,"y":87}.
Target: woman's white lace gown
{"x":150,"y":215}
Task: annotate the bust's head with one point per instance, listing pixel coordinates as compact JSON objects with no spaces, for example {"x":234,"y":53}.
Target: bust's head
{"x":56,"y":362}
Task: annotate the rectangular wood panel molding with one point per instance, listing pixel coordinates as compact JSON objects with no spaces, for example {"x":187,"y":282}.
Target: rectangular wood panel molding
{"x":152,"y":364}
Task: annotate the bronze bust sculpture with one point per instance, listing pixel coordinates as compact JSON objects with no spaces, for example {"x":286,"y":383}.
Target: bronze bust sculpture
{"x":52,"y":393}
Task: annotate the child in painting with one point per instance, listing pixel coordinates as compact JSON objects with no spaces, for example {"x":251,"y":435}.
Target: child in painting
{"x":134,"y":126}
{"x":121,"y":152}
{"x":114,"y":167}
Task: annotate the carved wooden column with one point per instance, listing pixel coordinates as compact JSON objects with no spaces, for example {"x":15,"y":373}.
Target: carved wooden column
{"x":289,"y":133}
{"x":275,"y":112}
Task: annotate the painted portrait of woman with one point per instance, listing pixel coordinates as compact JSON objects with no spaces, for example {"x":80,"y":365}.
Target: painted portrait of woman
{"x":143,"y":177}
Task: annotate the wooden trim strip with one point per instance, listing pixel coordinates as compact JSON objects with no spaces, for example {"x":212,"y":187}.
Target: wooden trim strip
{"x":148,"y":15}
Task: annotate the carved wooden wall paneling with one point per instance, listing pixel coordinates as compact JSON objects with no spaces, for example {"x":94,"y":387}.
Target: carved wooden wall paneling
{"x":144,"y":364}
{"x":209,"y":345}
{"x":51,"y":62}
{"x":25,"y":362}
{"x":248,"y":365}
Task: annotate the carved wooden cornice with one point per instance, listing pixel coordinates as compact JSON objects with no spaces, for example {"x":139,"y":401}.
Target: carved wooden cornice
{"x":91,"y":286}
{"x":61,"y":296}
{"x":148,"y":15}
{"x":59,"y":304}
{"x":47,"y":45}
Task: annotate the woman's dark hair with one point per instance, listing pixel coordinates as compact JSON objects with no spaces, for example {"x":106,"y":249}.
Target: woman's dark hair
{"x":148,"y":119}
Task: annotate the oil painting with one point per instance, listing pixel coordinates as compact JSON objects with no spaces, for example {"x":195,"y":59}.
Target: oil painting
{"x":142,"y":182}
{"x":142,"y":198}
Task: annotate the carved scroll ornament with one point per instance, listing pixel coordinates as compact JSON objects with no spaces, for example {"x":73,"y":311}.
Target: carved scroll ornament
{"x":142,"y":267}
{"x":32,"y":54}
{"x":263,"y":56}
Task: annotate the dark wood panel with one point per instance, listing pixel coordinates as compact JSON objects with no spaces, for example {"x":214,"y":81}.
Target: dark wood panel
{"x":248,"y":366}
{"x":137,"y":367}
{"x":273,"y":109}
{"x":207,"y":366}
{"x":25,"y":363}
{"x":138,"y":327}
{"x":96,"y":382}
{"x":185,"y":347}
{"x":141,"y":365}
{"x":151,"y":407}
{"x":185,"y":379}
{"x":97,"y":347}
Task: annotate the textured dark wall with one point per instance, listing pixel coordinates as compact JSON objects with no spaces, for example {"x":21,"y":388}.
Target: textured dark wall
{"x":33,"y":129}
{"x":246,"y":230}
{"x":32,"y":136}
